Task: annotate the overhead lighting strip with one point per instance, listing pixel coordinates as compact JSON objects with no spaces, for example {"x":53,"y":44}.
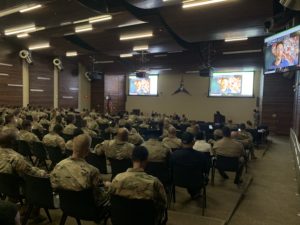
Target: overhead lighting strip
{"x":30,"y":8}
{"x":136,"y":36}
{"x":141,"y":48}
{"x":236,"y":39}
{"x":191,"y":4}
{"x":242,"y":52}
{"x":18,"y":30}
{"x":97,"y":19}
{"x":81,"y":29}
{"x":126,"y":55}
{"x":40,"y":46}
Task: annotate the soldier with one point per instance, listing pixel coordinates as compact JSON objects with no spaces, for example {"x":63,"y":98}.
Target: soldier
{"x":57,"y":120}
{"x":75,"y":174}
{"x":53,"y":139}
{"x":135,"y":183}
{"x":26,"y":135}
{"x":119,"y":148}
{"x":86,"y":130}
{"x":36,"y":125}
{"x":172,"y":141}
{"x":70,"y":128}
{"x":133,"y":136}
{"x":69,"y":144}
{"x":158,"y":151}
{"x":10,"y":123}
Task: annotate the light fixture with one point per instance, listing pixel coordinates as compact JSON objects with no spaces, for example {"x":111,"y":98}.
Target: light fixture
{"x":36,"y":90}
{"x":190,"y":4}
{"x":97,"y":19}
{"x":71,"y":54}
{"x":40,"y":46}
{"x":242,"y":52}
{"x":83,"y":28}
{"x":141,"y":48}
{"x":104,"y":62}
{"x":128,"y":24}
{"x":136,"y":36}
{"x":6,"y":64}
{"x":43,"y":78}
{"x":236,"y":39}
{"x":15,"y":85}
{"x":23,"y":35}
{"x":18,"y":30}
{"x":4,"y":74}
{"x":30,"y":8}
{"x":127,"y":55}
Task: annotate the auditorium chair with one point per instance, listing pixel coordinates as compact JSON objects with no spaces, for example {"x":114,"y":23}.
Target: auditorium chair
{"x":39,"y":151}
{"x":97,"y":161}
{"x":55,"y":155}
{"x":39,"y":194}
{"x":126,"y":211}
{"x":81,"y":205}
{"x":95,"y":141}
{"x":10,"y":186}
{"x":119,"y":166}
{"x":25,"y":150}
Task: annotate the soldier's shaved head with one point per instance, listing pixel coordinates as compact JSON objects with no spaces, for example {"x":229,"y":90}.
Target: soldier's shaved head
{"x":7,"y":138}
{"x":172,"y":131}
{"x":122,"y":134}
{"x":81,"y":146}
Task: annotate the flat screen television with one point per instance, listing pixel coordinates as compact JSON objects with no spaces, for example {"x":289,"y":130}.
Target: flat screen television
{"x":281,"y":51}
{"x":231,"y":84}
{"x":143,"y":86}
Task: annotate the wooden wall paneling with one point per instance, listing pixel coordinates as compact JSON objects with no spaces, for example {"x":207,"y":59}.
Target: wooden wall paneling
{"x":41,"y":81}
{"x":97,"y":95}
{"x":11,"y":75}
{"x":68,"y":85}
{"x":115,"y":88}
{"x":277,"y":104}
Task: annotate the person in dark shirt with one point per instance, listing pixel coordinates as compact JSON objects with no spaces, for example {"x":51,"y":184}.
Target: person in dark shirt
{"x":187,"y":156}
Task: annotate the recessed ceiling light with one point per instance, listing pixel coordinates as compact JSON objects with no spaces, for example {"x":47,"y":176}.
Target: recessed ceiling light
{"x":24,"y":35}
{"x":40,"y":46}
{"x":236,"y":39}
{"x":71,"y":54}
{"x":83,"y":28}
{"x":18,"y":30}
{"x":191,"y":3}
{"x":141,"y":48}
{"x":136,"y":36}
{"x":126,"y":55}
{"x":30,"y":8}
{"x":97,"y":19}
{"x":131,"y":23}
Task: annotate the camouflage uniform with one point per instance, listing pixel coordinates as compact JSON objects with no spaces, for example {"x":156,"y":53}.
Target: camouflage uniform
{"x":10,"y":127}
{"x":92,"y":125}
{"x":69,"y":145}
{"x":157,"y":150}
{"x":77,"y":175}
{"x":27,"y":136}
{"x":115,"y":149}
{"x":136,"y":184}
{"x":89,"y":132}
{"x":172,"y":142}
{"x":69,"y":129}
{"x":54,"y":140}
{"x":44,"y":121}
{"x":134,"y":137}
{"x":12,"y":162}
{"x":37,"y":126}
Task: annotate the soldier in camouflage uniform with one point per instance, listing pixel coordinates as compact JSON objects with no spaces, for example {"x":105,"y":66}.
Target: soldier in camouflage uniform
{"x":86,"y":130}
{"x":133,"y":137}
{"x":75,"y":174}
{"x":69,"y":144}
{"x":53,"y":139}
{"x":10,"y":123}
{"x":69,"y":129}
{"x":172,"y":141}
{"x":158,"y":152}
{"x":36,"y":125}
{"x":12,"y":162}
{"x":26,"y":135}
{"x":135,"y":183}
{"x":119,"y":148}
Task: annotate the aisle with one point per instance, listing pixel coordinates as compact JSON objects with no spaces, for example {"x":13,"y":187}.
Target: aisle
{"x":272,"y":199}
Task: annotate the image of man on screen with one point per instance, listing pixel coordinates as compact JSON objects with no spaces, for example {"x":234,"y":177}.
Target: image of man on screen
{"x":279,"y":54}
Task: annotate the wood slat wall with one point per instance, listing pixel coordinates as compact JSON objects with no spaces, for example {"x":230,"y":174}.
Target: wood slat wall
{"x":68,"y":85}
{"x":277,"y":104}
{"x":41,"y":82}
{"x":10,"y":95}
{"x":115,"y":86}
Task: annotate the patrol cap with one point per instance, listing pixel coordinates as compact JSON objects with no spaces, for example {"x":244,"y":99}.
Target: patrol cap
{"x":187,"y":138}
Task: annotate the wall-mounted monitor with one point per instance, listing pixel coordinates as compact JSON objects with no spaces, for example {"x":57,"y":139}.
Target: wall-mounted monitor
{"x":145,"y":86}
{"x":282,"y":51}
{"x":231,"y":84}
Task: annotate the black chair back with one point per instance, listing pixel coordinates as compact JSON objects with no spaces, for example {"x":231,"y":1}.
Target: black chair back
{"x":39,"y":151}
{"x":55,"y":155}
{"x":38,"y":191}
{"x":132,"y":211}
{"x":160,"y":170}
{"x":95,"y":141}
{"x":78,"y":204}
{"x":227,"y":163}
{"x":38,"y":133}
{"x":10,"y":185}
{"x":119,"y":166}
{"x":97,"y":161}
{"x":24,"y":148}
{"x":187,"y":176}
{"x":46,"y":126}
{"x":67,"y":137}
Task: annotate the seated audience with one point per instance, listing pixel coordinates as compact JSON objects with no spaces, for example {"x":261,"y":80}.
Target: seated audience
{"x":201,"y":145}
{"x":10,"y":123}
{"x":193,"y":129}
{"x":70,"y":144}
{"x":187,"y":156}
{"x":36,"y":125}
{"x":118,"y":148}
{"x":172,"y":141}
{"x":218,"y":135}
{"x":9,"y":214}
{"x":26,"y":135}
{"x":135,"y":183}
{"x":53,"y":139}
{"x":56,"y":120}
{"x":75,"y":174}
{"x":133,"y":136}
{"x":246,"y":139}
{"x":157,"y":151}
{"x":230,"y":148}
{"x":70,"y":128}
{"x":87,"y":130}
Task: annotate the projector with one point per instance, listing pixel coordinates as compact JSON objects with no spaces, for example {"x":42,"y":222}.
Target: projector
{"x":141,"y":73}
